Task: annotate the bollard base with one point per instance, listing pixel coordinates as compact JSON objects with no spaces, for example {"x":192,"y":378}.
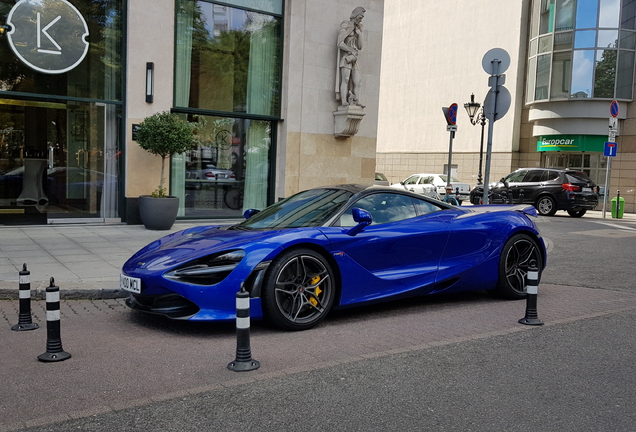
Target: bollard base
{"x":54,"y":357}
{"x":25,"y":327}
{"x":243,"y":366}
{"x":531,"y":321}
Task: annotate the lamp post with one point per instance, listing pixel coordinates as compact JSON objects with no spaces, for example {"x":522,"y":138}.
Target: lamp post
{"x":471,"y":108}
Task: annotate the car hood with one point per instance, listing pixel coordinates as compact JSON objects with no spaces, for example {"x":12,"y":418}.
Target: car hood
{"x":183,"y":246}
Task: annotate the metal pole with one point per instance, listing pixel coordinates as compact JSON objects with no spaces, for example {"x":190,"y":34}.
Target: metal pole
{"x":481,"y":145}
{"x":607,"y":179}
{"x":491,"y":120}
{"x":450,"y":158}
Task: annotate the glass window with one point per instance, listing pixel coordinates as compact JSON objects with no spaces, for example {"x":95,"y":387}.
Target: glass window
{"x":608,"y":13}
{"x":425,"y":207}
{"x":534,"y":25}
{"x":563,"y":41}
{"x":533,"y":176}
{"x":543,"y":77}
{"x":605,"y":75}
{"x":564,"y":15}
{"x":384,"y":208}
{"x":228,"y":171}
{"x":227,"y":59}
{"x":546,"y":24}
{"x":545,"y":44}
{"x":607,"y":39}
{"x":628,"y":16}
{"x":625,"y":74}
{"x":275,"y":6}
{"x":532,"y":73}
{"x":585,"y":39}
{"x":97,"y":76}
{"x":582,"y":70}
{"x":586,"y":12}
{"x":561,"y":75}
{"x":411,"y":180}
{"x":627,"y":40}
{"x":516,"y":176}
{"x":533,"y":47}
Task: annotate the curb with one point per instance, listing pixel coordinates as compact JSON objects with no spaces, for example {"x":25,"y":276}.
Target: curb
{"x":69,"y":294}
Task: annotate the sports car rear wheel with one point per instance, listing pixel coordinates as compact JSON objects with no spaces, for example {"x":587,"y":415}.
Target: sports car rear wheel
{"x":299,"y":290}
{"x":516,"y":256}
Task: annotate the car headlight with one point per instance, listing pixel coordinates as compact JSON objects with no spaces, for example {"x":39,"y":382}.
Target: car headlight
{"x":209,"y":270}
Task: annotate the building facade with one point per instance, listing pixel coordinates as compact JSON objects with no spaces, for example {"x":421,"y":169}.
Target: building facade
{"x":79,"y":76}
{"x":569,"y":60}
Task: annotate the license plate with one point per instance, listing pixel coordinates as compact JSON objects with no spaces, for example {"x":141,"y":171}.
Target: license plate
{"x":130,"y":284}
{"x":587,"y":189}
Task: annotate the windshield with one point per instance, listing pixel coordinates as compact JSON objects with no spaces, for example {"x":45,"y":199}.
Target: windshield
{"x":305,"y":209}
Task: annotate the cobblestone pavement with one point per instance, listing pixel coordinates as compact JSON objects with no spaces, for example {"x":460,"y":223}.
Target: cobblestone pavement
{"x":122,"y":359}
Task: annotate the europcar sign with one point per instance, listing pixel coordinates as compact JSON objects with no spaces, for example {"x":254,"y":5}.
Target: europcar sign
{"x":573,"y":143}
{"x":49,"y":36}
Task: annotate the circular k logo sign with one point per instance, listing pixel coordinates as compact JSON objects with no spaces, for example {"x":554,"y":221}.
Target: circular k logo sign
{"x":48,"y":35}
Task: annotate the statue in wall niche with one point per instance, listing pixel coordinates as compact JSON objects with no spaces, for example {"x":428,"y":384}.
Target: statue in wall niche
{"x":348,"y":71}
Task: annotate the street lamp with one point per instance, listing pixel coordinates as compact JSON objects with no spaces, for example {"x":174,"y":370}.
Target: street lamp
{"x":471,"y":109}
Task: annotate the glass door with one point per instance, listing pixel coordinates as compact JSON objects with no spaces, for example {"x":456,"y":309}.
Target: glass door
{"x":53,"y":163}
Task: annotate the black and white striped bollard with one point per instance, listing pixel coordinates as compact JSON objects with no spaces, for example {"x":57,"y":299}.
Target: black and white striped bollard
{"x":24,"y":317}
{"x":244,"y":361}
{"x":532,"y":289}
{"x":54,"y":351}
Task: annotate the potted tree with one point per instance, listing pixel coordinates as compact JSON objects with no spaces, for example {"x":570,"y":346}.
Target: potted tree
{"x":163,"y":134}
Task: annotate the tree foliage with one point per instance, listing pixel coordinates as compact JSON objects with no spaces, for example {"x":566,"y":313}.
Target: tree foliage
{"x":165,"y":134}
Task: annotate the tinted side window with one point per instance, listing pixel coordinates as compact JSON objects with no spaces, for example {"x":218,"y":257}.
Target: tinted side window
{"x":516,"y":176}
{"x":533,"y":176}
{"x":411,"y":180}
{"x":424,"y":207}
{"x":549,"y":176}
{"x":384,"y":208}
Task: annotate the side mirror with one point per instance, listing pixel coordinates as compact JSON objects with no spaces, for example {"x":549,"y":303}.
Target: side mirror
{"x":363,"y":219}
{"x":249,"y":213}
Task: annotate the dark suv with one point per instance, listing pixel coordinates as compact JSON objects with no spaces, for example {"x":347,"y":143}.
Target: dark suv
{"x":548,"y":189}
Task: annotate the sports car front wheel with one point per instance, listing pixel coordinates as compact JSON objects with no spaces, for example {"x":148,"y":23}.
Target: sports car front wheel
{"x":516,"y":256}
{"x":299,"y":290}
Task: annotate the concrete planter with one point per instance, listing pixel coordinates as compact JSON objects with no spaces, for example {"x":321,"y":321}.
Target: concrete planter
{"x":158,"y":213}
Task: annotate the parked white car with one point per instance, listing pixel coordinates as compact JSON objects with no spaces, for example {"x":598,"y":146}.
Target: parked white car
{"x":424,"y":183}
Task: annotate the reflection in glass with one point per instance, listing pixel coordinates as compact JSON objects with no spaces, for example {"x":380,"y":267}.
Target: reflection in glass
{"x":534,"y":26}
{"x":545,"y":44}
{"x":607,"y":39}
{"x":586,"y":12}
{"x":543,"y":77}
{"x":605,"y":75}
{"x":532,"y":67}
{"x":563,"y":41}
{"x":627,"y":39}
{"x":227,"y":59}
{"x":227,"y":172}
{"x":625,"y":74}
{"x":533,"y":47}
{"x":628,"y":16}
{"x":582,"y":70}
{"x":564,"y":15}
{"x":561,"y":75}
{"x":608,"y":14}
{"x":546,"y":24}
{"x":585,"y":39}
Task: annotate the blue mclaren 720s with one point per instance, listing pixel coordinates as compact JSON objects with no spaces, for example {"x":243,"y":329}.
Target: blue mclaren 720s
{"x":335,"y":247}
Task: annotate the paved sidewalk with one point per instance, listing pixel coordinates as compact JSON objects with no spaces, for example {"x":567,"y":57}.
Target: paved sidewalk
{"x":86,"y":260}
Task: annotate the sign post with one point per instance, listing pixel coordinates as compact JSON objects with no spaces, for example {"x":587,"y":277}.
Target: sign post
{"x":450,"y":114}
{"x":611,"y":149}
{"x":495,"y":62}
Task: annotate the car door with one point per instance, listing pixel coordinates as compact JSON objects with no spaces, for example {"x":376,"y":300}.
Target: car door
{"x":512,"y":181}
{"x":410,"y":184}
{"x":530,"y":185}
{"x":398,"y":254}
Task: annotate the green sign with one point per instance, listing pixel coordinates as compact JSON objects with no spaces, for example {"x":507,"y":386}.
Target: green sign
{"x":572,"y":143}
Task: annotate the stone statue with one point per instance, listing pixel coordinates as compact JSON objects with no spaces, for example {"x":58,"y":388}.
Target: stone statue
{"x":348,"y":71}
